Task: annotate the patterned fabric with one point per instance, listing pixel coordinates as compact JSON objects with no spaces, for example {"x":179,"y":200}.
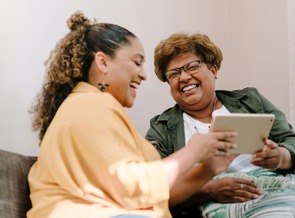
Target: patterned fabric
{"x":277,"y":199}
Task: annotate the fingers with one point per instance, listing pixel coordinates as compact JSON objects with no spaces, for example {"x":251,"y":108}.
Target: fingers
{"x":270,"y":144}
{"x":270,"y":157}
{"x":271,"y":149}
{"x":244,"y":196}
{"x":224,"y":135}
{"x":247,"y":183}
{"x":221,"y":153}
{"x":223,"y":147}
{"x":248,"y":191}
{"x":233,"y":190}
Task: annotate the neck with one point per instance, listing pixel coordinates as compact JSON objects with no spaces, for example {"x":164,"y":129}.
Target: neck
{"x":205,"y":115}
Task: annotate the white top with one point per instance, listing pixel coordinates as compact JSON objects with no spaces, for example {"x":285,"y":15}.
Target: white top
{"x":191,"y":126}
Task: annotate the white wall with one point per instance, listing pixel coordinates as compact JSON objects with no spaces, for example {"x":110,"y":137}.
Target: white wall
{"x":252,"y":34}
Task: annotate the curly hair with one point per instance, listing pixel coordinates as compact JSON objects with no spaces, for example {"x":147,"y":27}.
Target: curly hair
{"x":180,"y":43}
{"x":70,"y":61}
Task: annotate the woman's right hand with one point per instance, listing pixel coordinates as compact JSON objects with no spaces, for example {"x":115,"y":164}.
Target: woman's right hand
{"x":199,"y":148}
{"x":212,"y":144}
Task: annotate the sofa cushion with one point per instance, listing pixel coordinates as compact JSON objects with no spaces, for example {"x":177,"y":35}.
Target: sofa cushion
{"x":14,"y":188}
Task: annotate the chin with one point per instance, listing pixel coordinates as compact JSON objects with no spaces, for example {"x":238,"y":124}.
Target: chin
{"x":129,"y":104}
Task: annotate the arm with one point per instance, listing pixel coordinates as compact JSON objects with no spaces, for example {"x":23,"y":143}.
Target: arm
{"x":199,"y":148}
{"x":192,"y":182}
{"x":196,"y":187}
{"x":279,"y":151}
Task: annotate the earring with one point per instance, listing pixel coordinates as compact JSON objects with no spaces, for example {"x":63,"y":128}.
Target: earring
{"x":103,"y":86}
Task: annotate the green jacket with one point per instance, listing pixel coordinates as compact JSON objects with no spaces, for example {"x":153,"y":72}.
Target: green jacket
{"x":166,"y":130}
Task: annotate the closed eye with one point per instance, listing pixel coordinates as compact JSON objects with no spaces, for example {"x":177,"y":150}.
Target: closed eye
{"x":192,"y":68}
{"x":137,"y":63}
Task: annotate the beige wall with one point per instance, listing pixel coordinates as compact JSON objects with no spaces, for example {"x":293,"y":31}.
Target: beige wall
{"x":253,"y":35}
{"x":291,"y":46}
{"x":257,"y":49}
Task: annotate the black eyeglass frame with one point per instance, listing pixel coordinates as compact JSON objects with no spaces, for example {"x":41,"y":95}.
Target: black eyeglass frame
{"x":184,"y":68}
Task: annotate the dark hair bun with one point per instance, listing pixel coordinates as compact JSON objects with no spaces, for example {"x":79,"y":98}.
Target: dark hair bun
{"x":77,"y":21}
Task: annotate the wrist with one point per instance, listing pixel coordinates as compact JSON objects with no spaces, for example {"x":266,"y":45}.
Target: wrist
{"x":279,"y":162}
{"x":286,"y":162}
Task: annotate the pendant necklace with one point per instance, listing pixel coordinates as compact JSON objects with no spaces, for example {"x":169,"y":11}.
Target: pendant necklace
{"x":213,"y":109}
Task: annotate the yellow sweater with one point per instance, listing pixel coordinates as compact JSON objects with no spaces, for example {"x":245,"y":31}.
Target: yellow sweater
{"x":93,"y":163}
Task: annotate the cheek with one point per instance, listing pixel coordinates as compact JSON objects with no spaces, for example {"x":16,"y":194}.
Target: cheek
{"x":174,"y":86}
{"x":174,"y":91}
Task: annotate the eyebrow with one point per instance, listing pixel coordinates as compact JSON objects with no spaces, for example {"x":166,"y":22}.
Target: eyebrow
{"x":142,"y":59}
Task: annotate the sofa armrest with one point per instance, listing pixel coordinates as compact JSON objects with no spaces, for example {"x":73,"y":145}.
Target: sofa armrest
{"x":14,"y":188}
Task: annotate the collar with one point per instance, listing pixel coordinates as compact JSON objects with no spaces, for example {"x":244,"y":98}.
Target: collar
{"x":85,"y":87}
{"x":230,"y":99}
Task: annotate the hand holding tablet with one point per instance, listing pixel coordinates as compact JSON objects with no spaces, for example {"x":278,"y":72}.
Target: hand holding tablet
{"x":252,"y":129}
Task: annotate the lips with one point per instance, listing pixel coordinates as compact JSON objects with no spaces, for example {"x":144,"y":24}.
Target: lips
{"x":134,"y":85}
{"x":190,"y":87}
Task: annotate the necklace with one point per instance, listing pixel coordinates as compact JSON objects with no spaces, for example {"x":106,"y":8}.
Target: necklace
{"x":193,"y":120}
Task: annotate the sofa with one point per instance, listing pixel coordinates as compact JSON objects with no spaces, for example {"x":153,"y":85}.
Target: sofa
{"x":14,"y":187}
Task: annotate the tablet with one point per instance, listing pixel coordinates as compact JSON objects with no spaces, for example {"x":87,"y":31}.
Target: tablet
{"x":251,"y":129}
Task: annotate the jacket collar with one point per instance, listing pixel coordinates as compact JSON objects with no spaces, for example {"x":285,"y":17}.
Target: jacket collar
{"x":230,"y":99}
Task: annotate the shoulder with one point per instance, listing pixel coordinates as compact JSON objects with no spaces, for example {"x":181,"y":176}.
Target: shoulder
{"x":89,"y":104}
{"x":247,"y":99}
{"x":239,"y":92}
{"x":168,"y":114}
{"x":245,"y":94}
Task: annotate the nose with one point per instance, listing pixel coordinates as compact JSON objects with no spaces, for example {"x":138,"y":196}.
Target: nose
{"x":142,"y":74}
{"x":183,"y":76}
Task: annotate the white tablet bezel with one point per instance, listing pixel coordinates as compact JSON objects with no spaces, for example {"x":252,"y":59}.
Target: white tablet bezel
{"x":251,"y":129}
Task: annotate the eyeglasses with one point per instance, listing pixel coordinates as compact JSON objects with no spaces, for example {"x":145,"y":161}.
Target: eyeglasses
{"x":189,"y":68}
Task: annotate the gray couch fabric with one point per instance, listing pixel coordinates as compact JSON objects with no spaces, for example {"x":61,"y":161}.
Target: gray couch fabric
{"x":14,"y":188}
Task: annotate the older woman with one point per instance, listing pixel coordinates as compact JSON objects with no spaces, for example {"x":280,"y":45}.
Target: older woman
{"x":190,"y":64}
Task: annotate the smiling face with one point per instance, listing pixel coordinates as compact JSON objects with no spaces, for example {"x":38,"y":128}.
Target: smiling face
{"x":194,"y":91}
{"x":125,"y":72}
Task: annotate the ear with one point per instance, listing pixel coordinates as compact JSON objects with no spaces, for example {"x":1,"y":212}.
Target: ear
{"x":214,"y":70}
{"x":100,"y":60}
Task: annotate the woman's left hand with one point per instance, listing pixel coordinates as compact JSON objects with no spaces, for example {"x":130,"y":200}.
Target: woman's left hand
{"x":269,"y":157}
{"x":273,"y":157}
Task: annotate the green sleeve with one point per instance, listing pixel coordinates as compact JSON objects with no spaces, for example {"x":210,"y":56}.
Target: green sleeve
{"x":282,"y":132}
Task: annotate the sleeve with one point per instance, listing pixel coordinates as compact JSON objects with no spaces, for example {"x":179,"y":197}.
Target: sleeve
{"x":107,"y":155}
{"x":157,"y":136}
{"x":282,"y":132}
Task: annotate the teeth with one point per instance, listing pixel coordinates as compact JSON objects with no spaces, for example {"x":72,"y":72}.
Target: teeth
{"x":134,"y":85}
{"x":189,"y":88}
